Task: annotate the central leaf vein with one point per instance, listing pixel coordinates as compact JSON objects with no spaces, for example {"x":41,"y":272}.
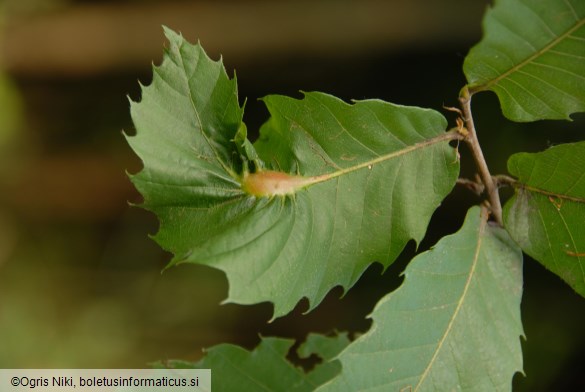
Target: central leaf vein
{"x":529,"y":59}
{"x":448,"y":136}
{"x":529,"y":188}
{"x":446,"y":334}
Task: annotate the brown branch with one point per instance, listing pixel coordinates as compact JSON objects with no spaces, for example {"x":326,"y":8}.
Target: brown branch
{"x":474,"y":186}
{"x":504,"y":180}
{"x":490,"y":186}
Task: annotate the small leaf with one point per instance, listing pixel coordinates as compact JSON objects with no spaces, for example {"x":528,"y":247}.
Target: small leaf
{"x":266,"y":367}
{"x":454,"y":324}
{"x":327,"y":347}
{"x":533,"y":57}
{"x":546,"y":216}
{"x":327,"y":190}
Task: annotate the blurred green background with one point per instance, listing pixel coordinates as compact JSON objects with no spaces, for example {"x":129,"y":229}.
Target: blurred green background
{"x":80,"y":281}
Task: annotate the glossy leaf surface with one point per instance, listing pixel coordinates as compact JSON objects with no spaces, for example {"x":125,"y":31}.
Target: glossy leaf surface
{"x":454,"y":324}
{"x":546,"y":216}
{"x":533,"y":57}
{"x":328,"y":189}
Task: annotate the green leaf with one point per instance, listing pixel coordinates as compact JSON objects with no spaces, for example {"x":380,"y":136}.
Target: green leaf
{"x":266,"y":368}
{"x":546,"y":216}
{"x":328,"y":189}
{"x":327,"y":347}
{"x":454,"y":324}
{"x":533,"y":57}
{"x":185,"y":124}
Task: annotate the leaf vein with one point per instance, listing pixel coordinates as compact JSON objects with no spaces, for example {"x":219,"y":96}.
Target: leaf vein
{"x":559,"y":90}
{"x":528,"y":91}
{"x":572,"y":9}
{"x":530,"y":58}
{"x":541,"y":20}
{"x":572,"y":241}
{"x":343,"y":128}
{"x":483,"y":223}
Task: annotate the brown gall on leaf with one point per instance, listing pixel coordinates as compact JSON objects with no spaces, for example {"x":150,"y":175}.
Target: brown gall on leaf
{"x":270,"y":183}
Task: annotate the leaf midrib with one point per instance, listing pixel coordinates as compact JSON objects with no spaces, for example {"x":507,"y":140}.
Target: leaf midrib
{"x":487,"y":85}
{"x":529,"y":188}
{"x":446,"y":334}
{"x":447,"y":136}
{"x":287,"y":184}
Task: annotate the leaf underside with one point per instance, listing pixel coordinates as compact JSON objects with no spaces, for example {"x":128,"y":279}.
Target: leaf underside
{"x":533,"y":57}
{"x":546,"y":216}
{"x":454,"y":324}
{"x":266,"y":368}
{"x":379,"y":170}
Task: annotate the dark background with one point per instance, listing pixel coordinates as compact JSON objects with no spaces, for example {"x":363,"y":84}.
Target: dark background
{"x":80,"y":281}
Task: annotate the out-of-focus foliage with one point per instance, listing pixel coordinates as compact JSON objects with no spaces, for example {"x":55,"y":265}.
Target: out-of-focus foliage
{"x":11,"y":113}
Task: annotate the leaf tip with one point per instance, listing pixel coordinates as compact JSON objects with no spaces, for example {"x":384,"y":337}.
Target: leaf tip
{"x":170,"y":33}
{"x":227,"y":301}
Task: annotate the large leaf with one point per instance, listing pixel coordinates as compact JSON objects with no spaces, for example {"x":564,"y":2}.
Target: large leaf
{"x":533,"y":57}
{"x":454,"y":324}
{"x":546,"y":216}
{"x":332,"y":188}
{"x":266,"y":368}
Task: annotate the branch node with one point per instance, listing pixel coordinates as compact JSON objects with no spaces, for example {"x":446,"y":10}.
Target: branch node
{"x":502,"y":180}
{"x":471,"y":139}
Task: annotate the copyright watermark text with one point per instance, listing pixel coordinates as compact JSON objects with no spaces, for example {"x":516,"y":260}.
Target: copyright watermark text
{"x":131,"y":380}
